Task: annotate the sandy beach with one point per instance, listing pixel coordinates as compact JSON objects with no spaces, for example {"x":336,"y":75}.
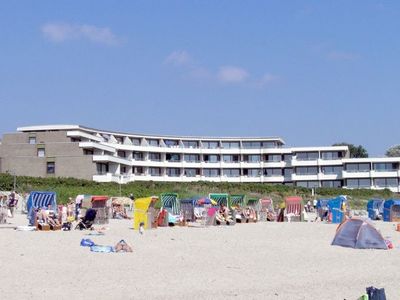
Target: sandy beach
{"x":245,"y":261}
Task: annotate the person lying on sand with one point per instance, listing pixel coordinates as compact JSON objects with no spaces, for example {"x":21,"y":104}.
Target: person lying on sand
{"x":122,"y":246}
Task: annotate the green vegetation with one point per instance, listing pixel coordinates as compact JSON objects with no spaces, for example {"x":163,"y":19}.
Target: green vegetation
{"x":355,"y":151}
{"x":70,"y":187}
{"x":393,"y":151}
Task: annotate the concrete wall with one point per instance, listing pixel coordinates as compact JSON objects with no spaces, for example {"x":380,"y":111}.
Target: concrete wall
{"x":21,"y":158}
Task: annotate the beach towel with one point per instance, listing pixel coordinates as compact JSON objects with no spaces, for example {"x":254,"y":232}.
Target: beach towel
{"x":103,"y":249}
{"x":25,"y":228}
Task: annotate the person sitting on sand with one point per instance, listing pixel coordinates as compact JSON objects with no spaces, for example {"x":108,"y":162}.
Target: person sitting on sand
{"x":42,"y":216}
{"x":224,"y":211}
{"x":52,"y":220}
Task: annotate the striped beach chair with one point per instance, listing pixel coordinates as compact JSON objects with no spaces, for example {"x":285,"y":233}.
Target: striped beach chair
{"x":220,"y":198}
{"x":293,"y":208}
{"x":37,"y":200}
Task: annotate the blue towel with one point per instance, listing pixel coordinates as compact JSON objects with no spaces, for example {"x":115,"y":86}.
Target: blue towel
{"x":100,"y":248}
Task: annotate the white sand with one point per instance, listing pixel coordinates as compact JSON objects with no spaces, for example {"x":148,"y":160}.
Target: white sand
{"x":245,"y":261}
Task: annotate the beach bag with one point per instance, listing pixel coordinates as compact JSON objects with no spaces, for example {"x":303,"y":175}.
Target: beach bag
{"x":87,"y":243}
{"x":376,"y":294}
{"x":100,"y":248}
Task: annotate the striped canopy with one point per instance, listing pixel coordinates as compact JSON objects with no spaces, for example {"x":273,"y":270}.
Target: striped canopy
{"x":42,"y":199}
{"x":238,"y":200}
{"x":170,"y":202}
{"x":220,"y":198}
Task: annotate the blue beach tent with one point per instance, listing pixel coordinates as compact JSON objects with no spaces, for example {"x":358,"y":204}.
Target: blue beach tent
{"x":388,"y":207}
{"x":40,"y":200}
{"x":375,"y":208}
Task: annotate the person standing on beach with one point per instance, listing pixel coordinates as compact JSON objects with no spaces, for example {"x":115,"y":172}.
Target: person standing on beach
{"x":12,"y":203}
{"x":78,"y":205}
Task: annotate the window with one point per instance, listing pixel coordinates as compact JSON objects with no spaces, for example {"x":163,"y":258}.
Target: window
{"x":332,"y":169}
{"x":154,"y":156}
{"x":287,"y":157}
{"x":270,"y":145}
{"x":32,"y":140}
{"x":230,"y":145}
{"x":119,"y":139}
{"x":386,"y":182}
{"x":210,"y":145}
{"x":273,"y":158}
{"x":136,"y":142}
{"x":123,"y":170}
{"x":102,"y":168}
{"x":331,"y":155}
{"x":251,"y":145}
{"x":121,"y":153}
{"x":138,"y":155}
{"x":359,"y":183}
{"x":191,"y":172}
{"x":138,"y":170}
{"x":87,"y":151}
{"x":154,"y":171}
{"x":307,"y":155}
{"x":173,"y":172}
{"x":171,"y":143}
{"x":211,"y":172}
{"x":231,"y":172}
{"x":230,"y":158}
{"x":308,"y":184}
{"x":173,"y":157}
{"x":190,"y":144}
{"x":287,"y":172}
{"x":252,"y":158}
{"x":211,"y":158}
{"x":153,"y":143}
{"x":51,"y":167}
{"x":363,"y":167}
{"x":386,"y":167}
{"x":41,"y":152}
{"x":252,"y":172}
{"x":331,"y":183}
{"x":191,"y":157}
{"x":306,"y":170}
{"x":272,"y":172}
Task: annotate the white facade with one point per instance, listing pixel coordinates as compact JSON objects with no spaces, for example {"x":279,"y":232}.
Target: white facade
{"x":122,"y":158}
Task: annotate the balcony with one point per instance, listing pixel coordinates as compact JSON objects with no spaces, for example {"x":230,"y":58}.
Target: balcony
{"x":384,"y":174}
{"x":305,"y":163}
{"x":330,"y":162}
{"x":351,"y":174}
{"x":109,"y":158}
{"x":305,"y":177}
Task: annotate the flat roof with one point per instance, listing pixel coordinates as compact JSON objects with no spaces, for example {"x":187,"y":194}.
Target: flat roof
{"x":88,"y":129}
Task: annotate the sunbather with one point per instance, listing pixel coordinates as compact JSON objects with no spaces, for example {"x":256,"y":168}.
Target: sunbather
{"x":42,"y":216}
{"x":122,"y":246}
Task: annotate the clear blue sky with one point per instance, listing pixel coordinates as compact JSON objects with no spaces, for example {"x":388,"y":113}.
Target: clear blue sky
{"x":311,"y":72}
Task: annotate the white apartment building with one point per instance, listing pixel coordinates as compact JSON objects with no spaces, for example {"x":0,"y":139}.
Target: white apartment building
{"x":105,"y":156}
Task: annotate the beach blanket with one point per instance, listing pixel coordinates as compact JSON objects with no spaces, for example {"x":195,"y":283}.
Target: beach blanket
{"x":103,"y":249}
